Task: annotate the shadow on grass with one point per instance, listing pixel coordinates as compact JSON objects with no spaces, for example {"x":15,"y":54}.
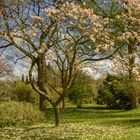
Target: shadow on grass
{"x":96,"y":107}
{"x":128,"y":123}
{"x":95,"y":113}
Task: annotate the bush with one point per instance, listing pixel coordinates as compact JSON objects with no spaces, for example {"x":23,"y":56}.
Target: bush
{"x":24,"y":92}
{"x":76,"y":95}
{"x":105,"y":95}
{"x":19,"y":113}
{"x":115,"y":92}
{"x":5,"y":91}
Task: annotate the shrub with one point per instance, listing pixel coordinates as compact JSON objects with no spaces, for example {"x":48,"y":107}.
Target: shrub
{"x":23,"y":92}
{"x":115,"y":92}
{"x":76,"y":95}
{"x":105,"y":95}
{"x":5,"y":91}
{"x":19,"y":113}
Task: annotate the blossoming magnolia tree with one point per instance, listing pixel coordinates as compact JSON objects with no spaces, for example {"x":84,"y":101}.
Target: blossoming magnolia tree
{"x":127,"y":34}
{"x":124,"y":24}
{"x":73,"y":35}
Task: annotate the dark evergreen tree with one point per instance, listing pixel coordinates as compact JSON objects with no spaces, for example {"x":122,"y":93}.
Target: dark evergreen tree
{"x":22,"y":78}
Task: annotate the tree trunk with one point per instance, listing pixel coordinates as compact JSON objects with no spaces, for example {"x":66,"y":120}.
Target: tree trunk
{"x":134,"y":94}
{"x":41,"y":64}
{"x":57,"y":115}
{"x":63,"y":104}
{"x":131,"y":51}
{"x":79,"y":105}
{"x":135,"y":103}
{"x":42,"y":104}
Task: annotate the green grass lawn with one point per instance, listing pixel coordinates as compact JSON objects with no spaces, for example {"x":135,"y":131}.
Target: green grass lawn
{"x":89,"y":123}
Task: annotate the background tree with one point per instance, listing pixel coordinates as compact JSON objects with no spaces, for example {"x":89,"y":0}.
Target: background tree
{"x":6,"y":70}
{"x":6,"y":77}
{"x":76,"y":95}
{"x":124,"y":26}
{"x":127,"y":34}
{"x":83,"y":89}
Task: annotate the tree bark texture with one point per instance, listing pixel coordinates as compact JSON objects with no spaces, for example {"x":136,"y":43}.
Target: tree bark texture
{"x":57,"y":115}
{"x":63,"y":104}
{"x":41,"y":65}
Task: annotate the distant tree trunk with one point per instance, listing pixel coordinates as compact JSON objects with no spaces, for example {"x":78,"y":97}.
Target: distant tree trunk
{"x":27,"y":80}
{"x":57,"y":115}
{"x":22,"y":78}
{"x":134,"y":102}
{"x":63,"y":104}
{"x":79,"y":105}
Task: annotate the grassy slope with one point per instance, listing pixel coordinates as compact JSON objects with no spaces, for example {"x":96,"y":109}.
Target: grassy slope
{"x":88,"y":123}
